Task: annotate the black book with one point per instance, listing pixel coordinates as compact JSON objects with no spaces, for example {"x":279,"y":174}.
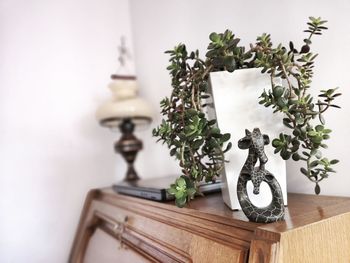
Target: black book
{"x":155,"y":188}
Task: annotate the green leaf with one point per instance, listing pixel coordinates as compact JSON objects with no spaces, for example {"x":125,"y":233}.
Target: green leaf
{"x":197,"y":143}
{"x":282,"y":102}
{"x":228,"y":147}
{"x":225,"y":137}
{"x":312,"y":133}
{"x":278,"y":91}
{"x":211,"y":54}
{"x":214,"y":37}
{"x":335,"y":161}
{"x":286,"y":122}
{"x":211,"y":122}
{"x":316,"y":139}
{"x":173,"y":152}
{"x":306,"y":154}
{"x":285,"y":154}
{"x":233,"y":42}
{"x":317,"y":189}
{"x":307,"y":41}
{"x":181,"y":182}
{"x":296,"y":132}
{"x":191,"y":112}
{"x":296,"y":157}
{"x":215,"y":130}
{"x":321,"y":118}
{"x":276,"y":142}
{"x":299,"y":121}
{"x":313,"y":164}
{"x":229,"y":61}
{"x":303,"y":170}
{"x":172,"y":191}
{"x":230,"y":68}
{"x":325,"y":136}
{"x":305,"y":49}
{"x":179,"y":194}
{"x":180,"y":202}
{"x":212,"y":143}
{"x":154,"y":132}
{"x":319,"y":128}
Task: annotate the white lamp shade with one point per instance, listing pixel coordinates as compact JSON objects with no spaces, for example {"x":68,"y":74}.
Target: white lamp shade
{"x":124,"y":104}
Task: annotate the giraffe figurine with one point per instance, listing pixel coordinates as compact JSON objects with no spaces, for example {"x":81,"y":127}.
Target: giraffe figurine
{"x":255,"y":142}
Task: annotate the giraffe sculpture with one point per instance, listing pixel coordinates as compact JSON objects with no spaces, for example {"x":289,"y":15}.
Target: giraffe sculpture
{"x":255,"y":142}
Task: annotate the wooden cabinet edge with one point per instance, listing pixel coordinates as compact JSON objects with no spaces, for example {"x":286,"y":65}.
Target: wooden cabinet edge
{"x":82,"y":235}
{"x":141,"y":204}
{"x":263,"y":251}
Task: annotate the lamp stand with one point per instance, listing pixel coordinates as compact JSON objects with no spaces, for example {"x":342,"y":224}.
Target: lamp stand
{"x":128,"y":146}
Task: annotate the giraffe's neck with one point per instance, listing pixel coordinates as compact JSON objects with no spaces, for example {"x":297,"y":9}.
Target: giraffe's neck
{"x":250,"y":162}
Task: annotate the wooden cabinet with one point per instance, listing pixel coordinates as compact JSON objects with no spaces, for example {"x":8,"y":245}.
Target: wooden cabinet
{"x":118,"y":228}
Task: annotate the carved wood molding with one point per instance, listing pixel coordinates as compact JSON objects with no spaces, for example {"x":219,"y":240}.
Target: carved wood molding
{"x":192,"y":222}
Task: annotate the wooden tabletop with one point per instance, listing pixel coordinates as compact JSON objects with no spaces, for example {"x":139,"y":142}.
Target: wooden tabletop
{"x":302,"y":209}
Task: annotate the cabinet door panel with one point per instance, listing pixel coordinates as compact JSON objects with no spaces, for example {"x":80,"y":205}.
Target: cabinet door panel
{"x":103,"y":247}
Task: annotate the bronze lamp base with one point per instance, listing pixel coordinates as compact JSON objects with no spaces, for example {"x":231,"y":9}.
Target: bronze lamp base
{"x":128,"y":146}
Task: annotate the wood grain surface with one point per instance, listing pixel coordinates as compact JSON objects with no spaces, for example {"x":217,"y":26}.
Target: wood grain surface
{"x":316,"y":229}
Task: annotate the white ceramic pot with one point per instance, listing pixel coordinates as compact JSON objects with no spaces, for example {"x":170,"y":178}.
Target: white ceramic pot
{"x":236,"y":108}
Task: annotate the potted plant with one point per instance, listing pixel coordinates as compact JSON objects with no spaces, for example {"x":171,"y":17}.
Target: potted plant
{"x":196,"y":141}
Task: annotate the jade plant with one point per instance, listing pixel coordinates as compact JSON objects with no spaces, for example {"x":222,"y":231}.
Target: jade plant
{"x":198,"y":143}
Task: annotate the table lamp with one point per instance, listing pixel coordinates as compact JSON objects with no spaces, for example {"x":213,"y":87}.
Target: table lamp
{"x":125,"y":111}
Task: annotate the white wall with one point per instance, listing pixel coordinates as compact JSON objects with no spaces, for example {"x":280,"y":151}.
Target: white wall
{"x":159,"y":25}
{"x":55,"y":61}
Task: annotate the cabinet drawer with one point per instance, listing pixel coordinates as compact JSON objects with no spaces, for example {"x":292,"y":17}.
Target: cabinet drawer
{"x":161,"y":241}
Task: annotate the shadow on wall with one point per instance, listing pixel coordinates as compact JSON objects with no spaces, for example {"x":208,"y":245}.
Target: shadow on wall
{"x":88,"y":163}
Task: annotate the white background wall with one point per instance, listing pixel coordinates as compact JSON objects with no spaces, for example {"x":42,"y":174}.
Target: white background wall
{"x":159,"y":25}
{"x":55,"y":61}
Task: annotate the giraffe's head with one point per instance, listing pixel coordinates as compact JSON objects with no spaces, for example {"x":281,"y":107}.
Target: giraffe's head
{"x":255,"y":141}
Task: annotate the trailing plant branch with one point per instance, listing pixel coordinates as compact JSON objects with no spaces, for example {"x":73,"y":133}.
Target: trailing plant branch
{"x":305,"y":141}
